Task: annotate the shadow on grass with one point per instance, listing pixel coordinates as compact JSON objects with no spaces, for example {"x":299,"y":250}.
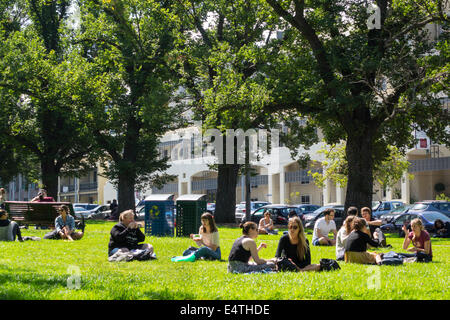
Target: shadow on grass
{"x":16,"y":284}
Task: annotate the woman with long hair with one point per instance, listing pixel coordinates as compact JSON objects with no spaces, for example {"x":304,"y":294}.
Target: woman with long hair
{"x":244,"y":249}
{"x":342,"y":236}
{"x":295,"y":247}
{"x":420,"y":239}
{"x":356,"y":245}
{"x":207,"y":240}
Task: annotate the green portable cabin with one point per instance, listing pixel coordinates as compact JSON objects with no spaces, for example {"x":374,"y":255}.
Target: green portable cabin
{"x":159,"y":215}
{"x":190,"y":208}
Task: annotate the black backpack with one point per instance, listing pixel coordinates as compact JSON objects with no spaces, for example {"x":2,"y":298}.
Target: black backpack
{"x":328,"y":265}
{"x":284,"y":264}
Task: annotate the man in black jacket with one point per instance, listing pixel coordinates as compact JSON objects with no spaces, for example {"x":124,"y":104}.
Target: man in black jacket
{"x":126,"y":235}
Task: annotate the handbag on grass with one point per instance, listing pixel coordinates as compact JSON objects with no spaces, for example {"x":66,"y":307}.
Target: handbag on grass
{"x":328,"y":265}
{"x":284,"y":264}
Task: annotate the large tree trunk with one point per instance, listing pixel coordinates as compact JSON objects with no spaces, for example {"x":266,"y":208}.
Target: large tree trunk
{"x":226,"y":193}
{"x":360,"y":164}
{"x":126,"y":192}
{"x":49,"y":174}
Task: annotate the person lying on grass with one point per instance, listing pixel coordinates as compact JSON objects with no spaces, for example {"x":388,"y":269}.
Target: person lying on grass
{"x":420,"y":239}
{"x":244,"y":249}
{"x":356,"y":245}
{"x":64,"y":227}
{"x":126,"y":235}
{"x":295,"y":247}
{"x":207,"y":240}
{"x":266,"y":224}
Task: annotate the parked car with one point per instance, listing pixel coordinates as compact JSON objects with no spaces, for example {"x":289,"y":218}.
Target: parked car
{"x":80,"y":212}
{"x":382,"y":207}
{"x":388,"y":217}
{"x":431,"y":205}
{"x":211,"y":207}
{"x":339,"y":216}
{"x":140,"y":214}
{"x":305,"y":209}
{"x":428,"y":218}
{"x":85,"y":206}
{"x":240,"y":208}
{"x":93,"y":211}
{"x":278,"y":212}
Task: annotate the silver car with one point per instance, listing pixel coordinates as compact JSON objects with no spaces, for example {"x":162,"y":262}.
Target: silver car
{"x":254,"y":205}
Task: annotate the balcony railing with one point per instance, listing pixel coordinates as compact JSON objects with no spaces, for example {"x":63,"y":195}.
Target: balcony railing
{"x":429,"y":164}
{"x":88,"y":186}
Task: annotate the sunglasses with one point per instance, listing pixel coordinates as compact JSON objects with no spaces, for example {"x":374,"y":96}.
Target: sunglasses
{"x":293,"y":227}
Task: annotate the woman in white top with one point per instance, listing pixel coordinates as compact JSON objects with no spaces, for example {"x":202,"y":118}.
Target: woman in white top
{"x":207,"y":240}
{"x":342,"y":236}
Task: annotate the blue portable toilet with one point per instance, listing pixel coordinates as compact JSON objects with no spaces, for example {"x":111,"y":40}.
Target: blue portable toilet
{"x":159,"y":215}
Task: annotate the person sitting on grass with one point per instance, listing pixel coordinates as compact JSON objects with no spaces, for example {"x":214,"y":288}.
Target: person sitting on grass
{"x":244,"y":249}
{"x":207,"y":239}
{"x":2,"y":198}
{"x":356,"y":245}
{"x":374,"y":226}
{"x":442,"y":229}
{"x":126,"y":235}
{"x":9,"y":230}
{"x":342,"y":236}
{"x":420,"y":239}
{"x":64,"y":227}
{"x":322,"y":228}
{"x":295,"y":247}
{"x":266,"y":224}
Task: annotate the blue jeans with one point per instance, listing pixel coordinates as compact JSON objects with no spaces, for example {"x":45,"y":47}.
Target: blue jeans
{"x":205,"y":252}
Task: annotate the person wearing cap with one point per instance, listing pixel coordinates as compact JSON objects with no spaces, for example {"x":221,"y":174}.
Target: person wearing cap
{"x":9,"y":230}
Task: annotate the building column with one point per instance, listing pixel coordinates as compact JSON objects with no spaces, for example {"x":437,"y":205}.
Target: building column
{"x":269,"y":188}
{"x":388,"y":193}
{"x":180,"y":185}
{"x":327,"y":192}
{"x":76,"y":183}
{"x":406,"y":194}
{"x":189,"y":185}
{"x":340,"y":198}
{"x":282,"y":186}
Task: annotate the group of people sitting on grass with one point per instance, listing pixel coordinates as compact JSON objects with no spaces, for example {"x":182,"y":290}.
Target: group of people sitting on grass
{"x":351,"y":241}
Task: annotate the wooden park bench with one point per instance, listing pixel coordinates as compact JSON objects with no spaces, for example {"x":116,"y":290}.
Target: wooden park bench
{"x":39,"y":213}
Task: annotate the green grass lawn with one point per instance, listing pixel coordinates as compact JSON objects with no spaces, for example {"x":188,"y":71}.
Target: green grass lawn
{"x":42,"y":270}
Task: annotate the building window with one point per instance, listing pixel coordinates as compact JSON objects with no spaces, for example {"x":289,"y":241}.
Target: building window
{"x":306,"y":199}
{"x":305,"y":178}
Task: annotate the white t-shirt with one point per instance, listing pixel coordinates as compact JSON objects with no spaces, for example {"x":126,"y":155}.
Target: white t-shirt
{"x":324,"y":227}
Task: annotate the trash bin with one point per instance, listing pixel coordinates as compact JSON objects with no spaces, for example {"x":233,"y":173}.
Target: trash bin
{"x":190,"y":208}
{"x":159,"y":215}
